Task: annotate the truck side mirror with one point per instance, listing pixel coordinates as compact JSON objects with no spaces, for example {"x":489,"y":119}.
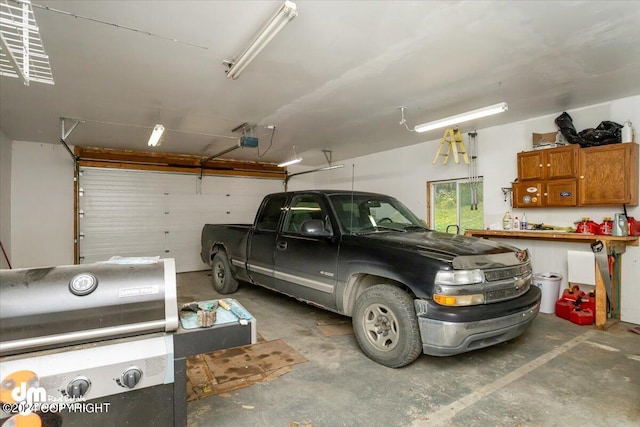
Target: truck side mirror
{"x":315,"y":228}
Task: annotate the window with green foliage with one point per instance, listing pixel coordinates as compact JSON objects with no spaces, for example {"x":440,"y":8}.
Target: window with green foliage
{"x":452,"y":205}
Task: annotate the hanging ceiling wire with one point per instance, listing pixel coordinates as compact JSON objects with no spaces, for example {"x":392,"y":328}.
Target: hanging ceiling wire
{"x":122,"y":27}
{"x":151,"y":127}
{"x":273,"y":132}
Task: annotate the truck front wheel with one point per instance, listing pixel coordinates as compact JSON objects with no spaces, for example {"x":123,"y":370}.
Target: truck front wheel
{"x":386,"y":327}
{"x":223,"y":281}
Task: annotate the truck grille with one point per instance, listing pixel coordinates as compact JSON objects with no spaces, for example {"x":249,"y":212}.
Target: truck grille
{"x":507,"y":272}
{"x":512,"y":281}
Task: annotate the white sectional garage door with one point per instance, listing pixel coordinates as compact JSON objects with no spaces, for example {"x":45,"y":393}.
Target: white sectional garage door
{"x":141,"y":213}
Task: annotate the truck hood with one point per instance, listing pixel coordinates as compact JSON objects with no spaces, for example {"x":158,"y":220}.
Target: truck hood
{"x":442,"y":246}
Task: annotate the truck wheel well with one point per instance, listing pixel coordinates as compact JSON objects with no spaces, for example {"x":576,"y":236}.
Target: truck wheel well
{"x":217,"y":247}
{"x":357,"y":283}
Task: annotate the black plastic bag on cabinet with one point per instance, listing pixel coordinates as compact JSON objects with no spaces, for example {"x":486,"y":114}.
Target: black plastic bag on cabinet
{"x":565,"y":124}
{"x":607,"y":132}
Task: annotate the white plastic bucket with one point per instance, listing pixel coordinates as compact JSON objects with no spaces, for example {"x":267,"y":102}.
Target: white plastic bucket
{"x":549,"y":284}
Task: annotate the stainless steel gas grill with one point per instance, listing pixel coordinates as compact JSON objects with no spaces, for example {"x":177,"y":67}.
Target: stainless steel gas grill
{"x":59,"y":306}
{"x":106,"y":335}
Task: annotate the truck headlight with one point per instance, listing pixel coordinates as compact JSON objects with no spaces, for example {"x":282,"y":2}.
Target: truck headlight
{"x":459,"y":277}
{"x":458,"y":300}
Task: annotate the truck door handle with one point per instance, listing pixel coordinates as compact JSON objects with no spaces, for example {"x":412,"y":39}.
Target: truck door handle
{"x":282,"y":246}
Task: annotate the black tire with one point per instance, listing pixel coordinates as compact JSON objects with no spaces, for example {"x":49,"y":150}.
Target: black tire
{"x":221,"y":277}
{"x":386,"y":326}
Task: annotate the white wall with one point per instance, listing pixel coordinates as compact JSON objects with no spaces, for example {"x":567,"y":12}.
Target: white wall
{"x":403,"y":173}
{"x":41,"y":205}
{"x":42,"y":191}
{"x":5,"y":197}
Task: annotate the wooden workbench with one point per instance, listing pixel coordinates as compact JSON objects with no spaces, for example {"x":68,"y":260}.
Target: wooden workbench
{"x":611,"y":243}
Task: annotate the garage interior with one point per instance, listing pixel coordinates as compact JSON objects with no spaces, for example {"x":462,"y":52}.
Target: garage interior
{"x":344,"y":88}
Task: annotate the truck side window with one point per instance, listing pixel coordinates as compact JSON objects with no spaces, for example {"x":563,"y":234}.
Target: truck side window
{"x":303,"y":208}
{"x":270,"y":215}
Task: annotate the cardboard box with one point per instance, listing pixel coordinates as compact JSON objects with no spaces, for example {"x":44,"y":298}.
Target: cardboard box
{"x":548,"y":140}
{"x":543,"y":139}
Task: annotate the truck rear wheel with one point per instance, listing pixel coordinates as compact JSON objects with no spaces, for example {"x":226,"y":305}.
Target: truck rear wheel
{"x":221,"y":277}
{"x":386,"y":327}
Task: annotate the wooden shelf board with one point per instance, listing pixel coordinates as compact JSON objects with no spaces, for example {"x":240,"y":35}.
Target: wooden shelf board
{"x":553,"y":236}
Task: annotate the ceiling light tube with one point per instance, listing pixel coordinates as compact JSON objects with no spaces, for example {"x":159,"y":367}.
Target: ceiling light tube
{"x":464,"y":117}
{"x":154,"y":139}
{"x":290,"y":162}
{"x":271,"y":28}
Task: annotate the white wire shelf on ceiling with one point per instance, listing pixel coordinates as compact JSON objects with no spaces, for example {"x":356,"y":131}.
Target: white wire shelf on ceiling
{"x":22,"y":53}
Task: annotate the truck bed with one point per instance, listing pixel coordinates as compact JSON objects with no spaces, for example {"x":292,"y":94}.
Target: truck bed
{"x":232,"y":236}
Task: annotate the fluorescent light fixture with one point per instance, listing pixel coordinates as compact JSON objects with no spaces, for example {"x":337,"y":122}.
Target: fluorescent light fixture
{"x":464,"y":117}
{"x":296,"y":159}
{"x":154,"y":139}
{"x":290,"y":162}
{"x":271,"y":28}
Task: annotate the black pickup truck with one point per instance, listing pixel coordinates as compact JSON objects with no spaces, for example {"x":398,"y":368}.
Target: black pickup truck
{"x":408,"y":289}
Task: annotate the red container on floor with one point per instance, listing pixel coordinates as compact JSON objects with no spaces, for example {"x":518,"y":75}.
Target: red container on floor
{"x":581,"y":316}
{"x":564,"y":308}
{"x":572,"y":294}
{"x":588,"y":302}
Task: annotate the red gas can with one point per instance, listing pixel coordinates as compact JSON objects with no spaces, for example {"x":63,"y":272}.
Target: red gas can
{"x":581,"y":316}
{"x":564,"y":308}
{"x":588,"y":302}
{"x":572,"y":294}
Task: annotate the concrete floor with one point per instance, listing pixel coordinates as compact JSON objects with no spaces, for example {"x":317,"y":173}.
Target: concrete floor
{"x":556,"y":374}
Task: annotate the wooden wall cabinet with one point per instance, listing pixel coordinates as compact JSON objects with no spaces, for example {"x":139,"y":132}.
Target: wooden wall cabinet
{"x":609,"y":175}
{"x":574,"y":176}
{"x":550,"y":163}
{"x":551,"y":193}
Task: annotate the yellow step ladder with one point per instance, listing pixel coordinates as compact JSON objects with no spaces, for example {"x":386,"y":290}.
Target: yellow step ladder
{"x":451,"y":138}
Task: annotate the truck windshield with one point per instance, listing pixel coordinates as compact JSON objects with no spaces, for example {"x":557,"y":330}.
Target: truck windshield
{"x":367,"y":213}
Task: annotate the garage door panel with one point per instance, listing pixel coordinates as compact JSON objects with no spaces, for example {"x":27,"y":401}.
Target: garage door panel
{"x":142,"y":213}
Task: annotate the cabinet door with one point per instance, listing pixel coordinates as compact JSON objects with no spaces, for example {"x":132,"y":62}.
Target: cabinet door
{"x":530,"y":165}
{"x":527,"y":194}
{"x":609,"y":175}
{"x":561,"y":162}
{"x":561,"y":192}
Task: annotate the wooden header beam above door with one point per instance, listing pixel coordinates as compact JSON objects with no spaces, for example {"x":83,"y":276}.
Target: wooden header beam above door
{"x":182,"y":163}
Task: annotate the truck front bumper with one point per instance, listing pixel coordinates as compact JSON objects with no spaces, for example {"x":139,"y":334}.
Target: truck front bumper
{"x":444,"y":338}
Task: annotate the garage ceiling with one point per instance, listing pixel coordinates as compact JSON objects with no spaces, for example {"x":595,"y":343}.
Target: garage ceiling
{"x":332,"y":79}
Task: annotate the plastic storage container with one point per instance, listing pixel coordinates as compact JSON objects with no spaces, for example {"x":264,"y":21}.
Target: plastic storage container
{"x":549,"y":284}
{"x":507,"y":222}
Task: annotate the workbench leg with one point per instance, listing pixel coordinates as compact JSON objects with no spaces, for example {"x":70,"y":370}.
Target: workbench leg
{"x":601,"y":301}
{"x":617,"y":288}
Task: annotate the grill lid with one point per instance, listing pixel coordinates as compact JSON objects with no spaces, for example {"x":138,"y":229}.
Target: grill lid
{"x":58,"y":306}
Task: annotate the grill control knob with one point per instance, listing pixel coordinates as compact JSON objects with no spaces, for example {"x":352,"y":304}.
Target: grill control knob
{"x":78,"y":387}
{"x":131,"y":377}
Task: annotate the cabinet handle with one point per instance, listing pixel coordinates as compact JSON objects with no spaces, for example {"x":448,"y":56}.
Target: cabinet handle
{"x":546,"y":194}
{"x":540,"y":164}
{"x":548,"y":165}
{"x":581,"y":176}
